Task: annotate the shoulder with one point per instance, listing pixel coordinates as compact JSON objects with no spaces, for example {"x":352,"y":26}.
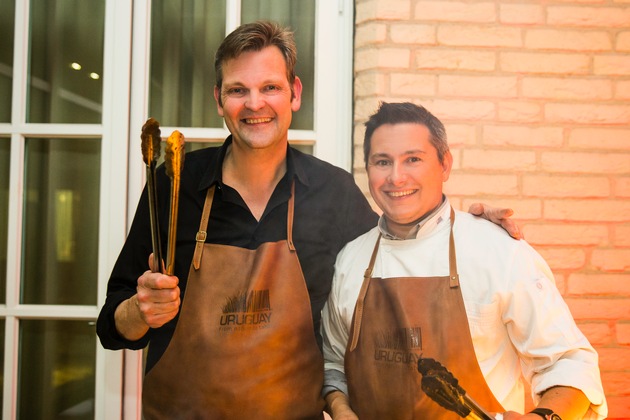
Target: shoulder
{"x":480,"y":241}
{"x":357,"y":250}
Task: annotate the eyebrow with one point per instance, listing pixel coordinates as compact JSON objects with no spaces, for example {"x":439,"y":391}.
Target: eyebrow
{"x":407,"y":153}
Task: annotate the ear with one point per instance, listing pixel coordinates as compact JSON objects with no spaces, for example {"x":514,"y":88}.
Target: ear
{"x":296,"y":99}
{"x":447,"y":164}
{"x":217,"y":98}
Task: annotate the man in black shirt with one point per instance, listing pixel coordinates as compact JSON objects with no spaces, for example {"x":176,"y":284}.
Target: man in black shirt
{"x":247,"y":310}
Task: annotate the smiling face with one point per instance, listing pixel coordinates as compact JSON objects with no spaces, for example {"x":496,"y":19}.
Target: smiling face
{"x":405,"y":174}
{"x":257,"y":100}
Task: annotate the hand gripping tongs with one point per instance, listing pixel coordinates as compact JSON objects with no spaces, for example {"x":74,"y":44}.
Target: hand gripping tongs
{"x":442,"y":387}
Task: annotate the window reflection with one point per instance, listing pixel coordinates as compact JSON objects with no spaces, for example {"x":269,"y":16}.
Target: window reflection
{"x":7,"y":25}
{"x":5,"y":156}
{"x":56,"y":370}
{"x":61,"y":214}
{"x":182,"y":61}
{"x":66,"y":47}
{"x":297,"y":15}
{"x":184,"y":37}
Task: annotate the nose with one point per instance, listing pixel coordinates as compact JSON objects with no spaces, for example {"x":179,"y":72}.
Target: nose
{"x":255,"y":100}
{"x":397,"y":174}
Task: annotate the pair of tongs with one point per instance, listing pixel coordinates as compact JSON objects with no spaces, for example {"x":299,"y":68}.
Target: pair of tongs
{"x":439,"y":384}
{"x":174,"y":161}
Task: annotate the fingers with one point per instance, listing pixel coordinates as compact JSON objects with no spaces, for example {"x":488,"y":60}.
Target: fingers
{"x":498,"y":216}
{"x":157,"y":298}
{"x":476,"y":208}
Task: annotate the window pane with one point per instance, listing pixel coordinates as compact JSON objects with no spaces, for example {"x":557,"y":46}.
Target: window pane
{"x":61,"y":213}
{"x":300,"y":17}
{"x":5,"y":155}
{"x":56,"y":370}
{"x":66,"y":61}
{"x":7,"y":25}
{"x":184,"y":37}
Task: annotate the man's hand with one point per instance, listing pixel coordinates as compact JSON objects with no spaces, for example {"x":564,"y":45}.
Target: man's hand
{"x":157,"y":298}
{"x":156,"y":302}
{"x":497,"y":216}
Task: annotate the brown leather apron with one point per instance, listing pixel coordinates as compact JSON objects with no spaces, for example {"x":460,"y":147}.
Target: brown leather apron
{"x":244,"y":346}
{"x":395,"y":321}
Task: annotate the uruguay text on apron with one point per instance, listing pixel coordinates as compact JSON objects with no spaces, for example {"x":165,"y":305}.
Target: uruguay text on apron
{"x":244,"y":346}
{"x":395,"y":321}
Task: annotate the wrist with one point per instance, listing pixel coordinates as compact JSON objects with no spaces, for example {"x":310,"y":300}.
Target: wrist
{"x":545,"y":413}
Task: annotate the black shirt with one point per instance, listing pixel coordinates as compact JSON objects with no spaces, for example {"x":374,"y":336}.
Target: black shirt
{"x":330,"y":211}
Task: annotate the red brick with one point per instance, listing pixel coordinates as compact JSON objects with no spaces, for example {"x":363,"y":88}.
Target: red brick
{"x":565,"y":186}
{"x":382,"y":10}
{"x":621,"y":235}
{"x":599,"y":138}
{"x":622,"y":89}
{"x":459,"y":110}
{"x":477,"y":86}
{"x":516,"y":135}
{"x":616,"y":383}
{"x":587,"y":113}
{"x":479,"y":36}
{"x":563,"y":258}
{"x":412,"y":33}
{"x":618,"y":407}
{"x":370,"y":84}
{"x":616,"y":259}
{"x":519,"y":111}
{"x":469,"y":184}
{"x":597,"y":333}
{"x":612,"y":65}
{"x":567,"y":40}
{"x":394,"y":58}
{"x":623,"y":41}
{"x":440,"y":59}
{"x":588,"y":16}
{"x":599,"y":309}
{"x":586,"y":163}
{"x":587,"y":210}
{"x":523,"y":14}
{"x":547,"y":63}
{"x":622,"y":187}
{"x":452,"y":11}
{"x":575,"y":88}
{"x":614,"y":358}
{"x":460,"y":134}
{"x":623,"y":334}
{"x":499,"y":160}
{"x":412,"y":84}
{"x":599,"y":284}
{"x":370,"y":33}
{"x":566,"y":234}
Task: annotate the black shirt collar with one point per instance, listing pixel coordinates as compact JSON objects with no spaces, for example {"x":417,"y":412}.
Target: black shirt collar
{"x":213,"y":173}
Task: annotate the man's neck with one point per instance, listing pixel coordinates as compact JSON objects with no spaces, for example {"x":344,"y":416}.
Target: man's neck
{"x":254,"y":174}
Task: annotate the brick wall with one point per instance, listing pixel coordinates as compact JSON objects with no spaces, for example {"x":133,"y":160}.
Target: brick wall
{"x":535,"y":96}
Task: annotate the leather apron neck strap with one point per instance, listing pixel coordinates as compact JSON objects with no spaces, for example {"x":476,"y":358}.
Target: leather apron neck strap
{"x":367,"y":276}
{"x":205,"y":216}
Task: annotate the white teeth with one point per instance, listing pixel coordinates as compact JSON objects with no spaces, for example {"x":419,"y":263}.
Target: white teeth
{"x":256,"y":120}
{"x":400,"y":193}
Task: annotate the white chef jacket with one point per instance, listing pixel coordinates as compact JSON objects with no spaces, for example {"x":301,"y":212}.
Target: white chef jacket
{"x":520,"y":325}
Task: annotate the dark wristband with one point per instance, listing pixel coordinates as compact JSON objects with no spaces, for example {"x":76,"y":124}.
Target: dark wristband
{"x":546,"y":413}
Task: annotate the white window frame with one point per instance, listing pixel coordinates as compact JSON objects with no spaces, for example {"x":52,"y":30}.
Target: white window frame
{"x":113,"y":181}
